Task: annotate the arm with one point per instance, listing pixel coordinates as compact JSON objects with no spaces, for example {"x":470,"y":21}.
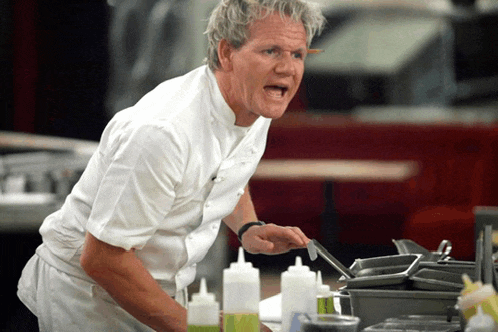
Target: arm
{"x":268,"y":239}
{"x":122,"y":274}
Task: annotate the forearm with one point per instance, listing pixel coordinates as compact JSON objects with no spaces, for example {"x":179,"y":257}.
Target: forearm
{"x":123,"y":276}
{"x":243,"y":213}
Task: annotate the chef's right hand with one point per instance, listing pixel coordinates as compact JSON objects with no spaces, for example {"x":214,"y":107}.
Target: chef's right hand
{"x":273,"y":239}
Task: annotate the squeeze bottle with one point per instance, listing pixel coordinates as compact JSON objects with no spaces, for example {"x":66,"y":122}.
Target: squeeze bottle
{"x":203,"y":314}
{"x":241,"y":296}
{"x":481,"y":322}
{"x":475,"y":294}
{"x":298,"y":288}
{"x":324,"y":296}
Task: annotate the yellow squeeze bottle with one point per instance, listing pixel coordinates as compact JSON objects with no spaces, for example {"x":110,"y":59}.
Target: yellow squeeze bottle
{"x":475,"y":294}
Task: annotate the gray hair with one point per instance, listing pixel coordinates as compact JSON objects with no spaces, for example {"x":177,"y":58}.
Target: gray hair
{"x":231,"y":18}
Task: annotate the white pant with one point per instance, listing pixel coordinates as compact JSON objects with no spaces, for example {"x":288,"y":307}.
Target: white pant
{"x":66,"y":303}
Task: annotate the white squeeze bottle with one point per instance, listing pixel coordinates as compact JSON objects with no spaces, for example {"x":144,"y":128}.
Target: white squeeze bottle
{"x":203,"y":313}
{"x":241,"y":296}
{"x":299,"y":291}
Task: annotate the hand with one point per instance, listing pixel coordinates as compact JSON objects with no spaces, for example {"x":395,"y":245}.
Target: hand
{"x":272,"y":239}
{"x":264,"y":328}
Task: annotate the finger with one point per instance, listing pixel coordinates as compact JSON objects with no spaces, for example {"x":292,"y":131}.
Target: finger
{"x":304,"y":239}
{"x":294,"y":235}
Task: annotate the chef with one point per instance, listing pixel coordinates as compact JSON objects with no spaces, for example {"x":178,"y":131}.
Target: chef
{"x":120,"y":253}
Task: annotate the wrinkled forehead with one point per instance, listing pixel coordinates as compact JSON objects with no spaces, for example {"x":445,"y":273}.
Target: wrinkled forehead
{"x":276,"y":26}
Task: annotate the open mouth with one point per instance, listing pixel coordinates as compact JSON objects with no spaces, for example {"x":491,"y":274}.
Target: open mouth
{"x":277,"y":91}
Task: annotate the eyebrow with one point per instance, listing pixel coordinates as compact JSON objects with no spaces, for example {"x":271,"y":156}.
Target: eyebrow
{"x":300,"y":49}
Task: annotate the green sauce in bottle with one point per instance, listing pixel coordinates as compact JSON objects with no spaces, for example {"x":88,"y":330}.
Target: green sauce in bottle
{"x":324,"y":299}
{"x":241,"y":296}
{"x":241,"y":322}
{"x":325,"y":305}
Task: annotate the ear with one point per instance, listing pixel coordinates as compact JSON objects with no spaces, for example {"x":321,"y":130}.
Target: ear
{"x":225,"y":52}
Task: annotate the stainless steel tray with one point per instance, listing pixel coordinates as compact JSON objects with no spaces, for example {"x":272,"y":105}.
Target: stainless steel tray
{"x":382,"y":271}
{"x":413,"y":326}
{"x":373,"y":306}
{"x":429,"y":279}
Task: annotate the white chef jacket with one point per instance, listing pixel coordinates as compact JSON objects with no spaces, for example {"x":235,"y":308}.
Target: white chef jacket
{"x":165,"y":173}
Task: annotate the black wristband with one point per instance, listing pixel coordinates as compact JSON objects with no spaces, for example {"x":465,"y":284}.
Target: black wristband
{"x":245,"y":227}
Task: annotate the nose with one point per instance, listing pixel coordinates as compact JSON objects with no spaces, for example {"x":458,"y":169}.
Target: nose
{"x":285,"y":64}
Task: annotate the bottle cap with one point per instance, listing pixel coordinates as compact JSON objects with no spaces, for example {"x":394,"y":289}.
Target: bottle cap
{"x":322,"y":290}
{"x":299,"y":267}
{"x":241,"y":263}
{"x":203,"y":296}
{"x":241,"y":271}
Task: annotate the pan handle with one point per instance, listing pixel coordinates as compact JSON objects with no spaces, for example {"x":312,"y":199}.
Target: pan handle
{"x":444,"y":249}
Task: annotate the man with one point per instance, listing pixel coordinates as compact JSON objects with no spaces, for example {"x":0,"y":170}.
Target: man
{"x":121,"y":251}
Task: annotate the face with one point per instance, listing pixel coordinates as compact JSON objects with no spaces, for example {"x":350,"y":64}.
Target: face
{"x":265,"y":73}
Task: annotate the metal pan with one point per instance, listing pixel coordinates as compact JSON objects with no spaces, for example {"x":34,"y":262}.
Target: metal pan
{"x":406,"y":246}
{"x":428,"y":279}
{"x":370,"y":272}
{"x":383,"y":270}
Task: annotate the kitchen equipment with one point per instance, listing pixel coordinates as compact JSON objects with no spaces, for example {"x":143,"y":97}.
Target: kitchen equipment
{"x":428,"y":279}
{"x":460,"y":267}
{"x":481,"y":322}
{"x":241,"y":295}
{"x":426,"y":324}
{"x":479,"y":257}
{"x":203,"y":313}
{"x":373,"y":306}
{"x":298,"y":288}
{"x":328,"y":323}
{"x":314,"y":247}
{"x":487,"y":269}
{"x":324,"y":296}
{"x":406,"y":246}
{"x":393,"y":270}
{"x":382,"y":271}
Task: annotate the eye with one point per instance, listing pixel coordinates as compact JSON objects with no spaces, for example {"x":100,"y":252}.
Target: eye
{"x":270,"y":51}
{"x":298,"y":55}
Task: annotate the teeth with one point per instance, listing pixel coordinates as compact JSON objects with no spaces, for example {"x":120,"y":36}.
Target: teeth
{"x":275,"y":91}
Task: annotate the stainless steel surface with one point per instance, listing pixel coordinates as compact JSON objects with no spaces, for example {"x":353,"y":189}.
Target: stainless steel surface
{"x":444,"y":249}
{"x":374,"y":306}
{"x":315,"y":247}
{"x":428,"y":279}
{"x":479,"y":253}
{"x":487,"y":255}
{"x":406,"y":246}
{"x":390,"y":271}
